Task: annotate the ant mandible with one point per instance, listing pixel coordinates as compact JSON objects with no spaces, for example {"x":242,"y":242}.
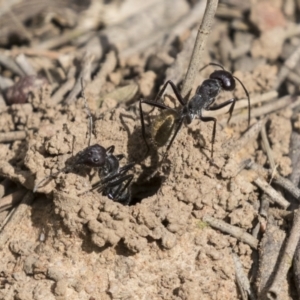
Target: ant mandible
{"x":205,"y":96}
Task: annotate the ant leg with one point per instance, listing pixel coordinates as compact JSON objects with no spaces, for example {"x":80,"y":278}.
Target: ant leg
{"x":46,"y":179}
{"x":49,"y":177}
{"x":120,"y":190}
{"x":211,"y":119}
{"x":110,"y":149}
{"x":122,"y":171}
{"x":175,"y":90}
{"x":212,"y":64}
{"x":221,"y":105}
{"x":119,"y":156}
{"x":174,"y":136}
{"x":126,"y":168}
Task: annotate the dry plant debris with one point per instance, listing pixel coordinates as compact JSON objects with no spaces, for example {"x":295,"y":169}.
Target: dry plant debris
{"x":196,"y":228}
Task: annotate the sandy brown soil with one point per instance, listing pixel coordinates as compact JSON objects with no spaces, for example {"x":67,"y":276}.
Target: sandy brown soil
{"x":74,"y":243}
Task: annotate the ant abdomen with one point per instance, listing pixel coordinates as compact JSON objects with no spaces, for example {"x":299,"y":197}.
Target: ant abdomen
{"x":225,"y":78}
{"x":162,"y":127}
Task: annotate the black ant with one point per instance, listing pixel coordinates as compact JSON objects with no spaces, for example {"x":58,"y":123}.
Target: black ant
{"x":205,"y":96}
{"x":114,"y":182}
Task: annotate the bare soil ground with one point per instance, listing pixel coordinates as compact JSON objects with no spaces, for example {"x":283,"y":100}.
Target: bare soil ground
{"x":196,"y":228}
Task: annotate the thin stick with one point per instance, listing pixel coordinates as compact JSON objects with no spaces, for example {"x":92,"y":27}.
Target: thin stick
{"x":65,"y":38}
{"x":286,"y":259}
{"x":281,"y":181}
{"x":286,"y":101}
{"x":85,"y":74}
{"x":40,"y":52}
{"x":288,"y":65}
{"x":12,"y":199}
{"x":200,"y":43}
{"x":241,"y":277}
{"x":16,"y":218}
{"x":10,"y":64}
{"x":234,"y":146}
{"x":12,"y":136}
{"x":63,"y":89}
{"x":88,"y":112}
{"x":4,"y":184}
{"x":270,"y":191}
{"x":236,"y":232}
{"x":7,"y":218}
{"x":267,"y":147}
{"x":25,"y":65}
{"x":271,"y":247}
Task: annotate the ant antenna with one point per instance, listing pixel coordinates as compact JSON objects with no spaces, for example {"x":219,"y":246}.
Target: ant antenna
{"x":36,"y":187}
{"x":248,"y":97}
{"x":212,"y":64}
{"x":244,"y":88}
{"x":66,"y":169}
{"x":88,"y":112}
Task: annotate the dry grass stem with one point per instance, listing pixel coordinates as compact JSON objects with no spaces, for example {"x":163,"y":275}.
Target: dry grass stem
{"x":286,"y":259}
{"x":236,"y":232}
{"x":271,"y":192}
{"x":201,"y":40}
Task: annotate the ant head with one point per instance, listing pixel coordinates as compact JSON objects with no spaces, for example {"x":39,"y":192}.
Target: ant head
{"x":92,"y":156}
{"x":225,"y":78}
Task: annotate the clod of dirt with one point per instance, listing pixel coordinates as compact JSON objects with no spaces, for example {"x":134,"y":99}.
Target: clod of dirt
{"x":280,"y":140}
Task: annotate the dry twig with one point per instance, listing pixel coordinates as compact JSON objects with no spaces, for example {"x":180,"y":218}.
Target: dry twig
{"x":12,"y":199}
{"x":236,"y":232}
{"x":271,"y":192}
{"x":25,"y":65}
{"x":251,"y":134}
{"x":270,"y":250}
{"x":16,"y":218}
{"x":241,"y":277}
{"x":3,"y":186}
{"x":10,"y":64}
{"x":85,"y":75}
{"x":267,"y":147}
{"x":281,"y":181}
{"x":12,"y":136}
{"x":243,"y":103}
{"x":286,"y":259}
{"x":200,"y":43}
{"x":64,"y":88}
{"x":286,"y":101}
{"x":288,"y":65}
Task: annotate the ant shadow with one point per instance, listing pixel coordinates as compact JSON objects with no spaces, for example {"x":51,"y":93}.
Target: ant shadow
{"x":148,"y":182}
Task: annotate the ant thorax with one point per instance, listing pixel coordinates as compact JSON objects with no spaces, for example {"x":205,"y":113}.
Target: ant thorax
{"x":162,"y":126}
{"x":111,"y":166}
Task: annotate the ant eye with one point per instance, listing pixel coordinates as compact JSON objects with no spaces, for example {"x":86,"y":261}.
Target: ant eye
{"x":96,"y":159}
